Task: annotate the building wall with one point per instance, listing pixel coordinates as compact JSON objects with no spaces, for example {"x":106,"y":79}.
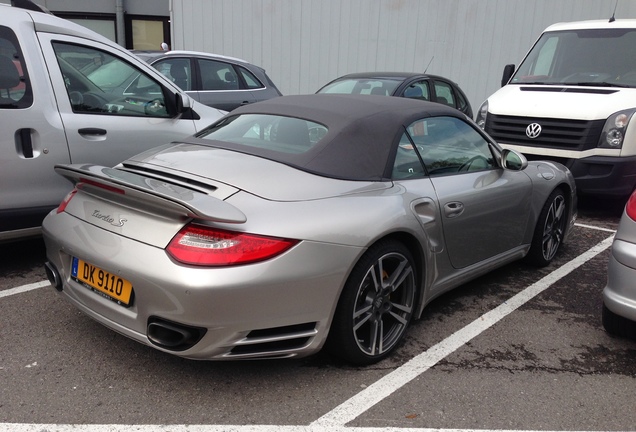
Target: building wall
{"x":305,"y":43}
{"x":136,"y":7}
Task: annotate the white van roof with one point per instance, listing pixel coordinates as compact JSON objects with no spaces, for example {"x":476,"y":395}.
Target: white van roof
{"x":593,"y":24}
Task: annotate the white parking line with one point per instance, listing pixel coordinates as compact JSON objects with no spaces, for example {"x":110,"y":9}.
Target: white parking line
{"x":385,"y":386}
{"x":336,"y":419}
{"x":595,"y":227}
{"x":24,"y":288}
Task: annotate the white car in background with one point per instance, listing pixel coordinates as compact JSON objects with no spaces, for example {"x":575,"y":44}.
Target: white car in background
{"x":58,"y":106}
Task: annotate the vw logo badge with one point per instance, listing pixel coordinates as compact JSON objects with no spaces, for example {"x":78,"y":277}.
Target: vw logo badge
{"x":533,"y":130}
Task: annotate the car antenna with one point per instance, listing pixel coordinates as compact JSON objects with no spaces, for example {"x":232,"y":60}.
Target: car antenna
{"x":29,"y":5}
{"x":429,"y":63}
{"x":612,"y":19}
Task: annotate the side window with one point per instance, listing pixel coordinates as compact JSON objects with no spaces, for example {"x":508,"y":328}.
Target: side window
{"x":407,"y":162}
{"x":250,"y":80}
{"x":216,"y":75}
{"x":444,"y":94}
{"x":15,"y":87}
{"x":449,"y":145}
{"x":177,"y":70}
{"x":418,"y":90}
{"x":97,"y":82}
{"x":462,"y":104}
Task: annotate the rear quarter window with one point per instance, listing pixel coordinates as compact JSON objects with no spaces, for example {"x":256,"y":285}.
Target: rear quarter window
{"x":15,"y":87}
{"x":270,"y":132}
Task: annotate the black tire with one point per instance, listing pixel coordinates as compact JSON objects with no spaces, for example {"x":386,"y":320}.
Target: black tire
{"x":376,"y":305}
{"x":617,"y":325}
{"x":550,"y":229}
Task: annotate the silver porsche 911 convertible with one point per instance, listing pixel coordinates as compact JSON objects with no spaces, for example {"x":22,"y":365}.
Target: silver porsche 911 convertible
{"x":299,"y":223}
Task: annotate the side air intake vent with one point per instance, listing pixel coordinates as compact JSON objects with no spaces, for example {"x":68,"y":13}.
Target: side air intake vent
{"x":274,"y":342}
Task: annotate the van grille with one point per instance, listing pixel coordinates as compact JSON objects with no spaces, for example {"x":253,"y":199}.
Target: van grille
{"x":563,"y":134}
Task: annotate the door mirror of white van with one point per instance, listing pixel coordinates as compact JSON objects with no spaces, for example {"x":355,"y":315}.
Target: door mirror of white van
{"x":179,"y":103}
{"x":513,"y":160}
{"x":509,"y":69}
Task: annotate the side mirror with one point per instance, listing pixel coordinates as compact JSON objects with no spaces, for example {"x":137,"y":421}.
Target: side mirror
{"x":513,"y":160}
{"x":183,"y":107}
{"x":182,"y":104}
{"x":509,"y":69}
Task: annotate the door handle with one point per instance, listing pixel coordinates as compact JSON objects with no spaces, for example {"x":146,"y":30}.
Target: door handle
{"x":24,"y":142}
{"x":453,"y":209}
{"x":92,"y":131}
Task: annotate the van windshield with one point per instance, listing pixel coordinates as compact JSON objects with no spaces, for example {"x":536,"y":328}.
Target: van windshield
{"x":591,"y":57}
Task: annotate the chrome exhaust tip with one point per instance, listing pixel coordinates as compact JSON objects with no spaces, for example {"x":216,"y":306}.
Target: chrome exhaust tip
{"x":173,"y":336}
{"x":53,"y":276}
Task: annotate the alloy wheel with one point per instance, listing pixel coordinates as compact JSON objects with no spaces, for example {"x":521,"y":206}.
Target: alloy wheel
{"x":554,"y":227}
{"x":384,"y":304}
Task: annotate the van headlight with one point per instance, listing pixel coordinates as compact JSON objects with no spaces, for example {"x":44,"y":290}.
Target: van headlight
{"x":482,"y":113}
{"x":614,"y":130}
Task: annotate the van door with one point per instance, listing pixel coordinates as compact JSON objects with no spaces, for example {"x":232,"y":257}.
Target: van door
{"x":32,"y":138}
{"x":111,"y":106}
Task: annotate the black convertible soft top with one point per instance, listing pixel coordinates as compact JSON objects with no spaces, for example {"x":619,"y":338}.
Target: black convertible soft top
{"x":363,"y":131}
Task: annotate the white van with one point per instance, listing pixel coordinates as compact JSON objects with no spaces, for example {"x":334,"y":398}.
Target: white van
{"x":571,"y":100}
{"x":69,"y":95}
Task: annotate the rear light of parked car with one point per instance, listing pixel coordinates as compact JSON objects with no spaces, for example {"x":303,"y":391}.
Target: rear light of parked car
{"x":206,"y":246}
{"x":84,"y":181}
{"x":630,"y":208}
{"x":109,"y":188}
{"x":67,"y":199}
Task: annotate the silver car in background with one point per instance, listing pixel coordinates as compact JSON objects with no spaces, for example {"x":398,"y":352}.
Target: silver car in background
{"x":215,"y":80}
{"x":619,"y":295}
{"x":298,"y":222}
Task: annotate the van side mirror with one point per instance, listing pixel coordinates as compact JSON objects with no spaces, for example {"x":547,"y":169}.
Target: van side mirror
{"x":178,"y":99}
{"x":183,"y":107}
{"x":509,"y":69}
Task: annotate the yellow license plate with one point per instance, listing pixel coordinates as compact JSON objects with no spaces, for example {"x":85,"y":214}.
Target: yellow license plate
{"x":102,"y":282}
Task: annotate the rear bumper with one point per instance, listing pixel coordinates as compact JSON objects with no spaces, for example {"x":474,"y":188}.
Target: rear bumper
{"x":273,"y":309}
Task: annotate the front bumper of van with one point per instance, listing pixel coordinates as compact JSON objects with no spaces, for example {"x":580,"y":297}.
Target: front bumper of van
{"x":596,"y":175}
{"x":606,"y":176}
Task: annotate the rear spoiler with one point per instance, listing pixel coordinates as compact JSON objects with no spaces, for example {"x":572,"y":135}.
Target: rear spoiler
{"x":170,"y":196}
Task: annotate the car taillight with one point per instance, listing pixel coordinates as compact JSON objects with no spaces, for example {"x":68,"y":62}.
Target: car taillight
{"x":205,"y":246}
{"x":67,"y":199}
{"x":630,"y":207}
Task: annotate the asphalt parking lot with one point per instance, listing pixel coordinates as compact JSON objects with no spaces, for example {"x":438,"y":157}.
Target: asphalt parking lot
{"x":519,"y":349}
